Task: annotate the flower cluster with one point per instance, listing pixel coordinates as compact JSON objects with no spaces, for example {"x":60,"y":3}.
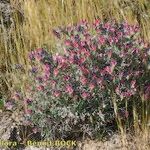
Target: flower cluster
{"x":76,"y":89}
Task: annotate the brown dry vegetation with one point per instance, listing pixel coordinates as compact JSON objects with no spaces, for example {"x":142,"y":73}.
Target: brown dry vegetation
{"x":31,"y":25}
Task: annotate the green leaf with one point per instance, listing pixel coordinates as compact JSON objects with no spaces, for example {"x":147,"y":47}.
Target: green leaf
{"x":1,"y":103}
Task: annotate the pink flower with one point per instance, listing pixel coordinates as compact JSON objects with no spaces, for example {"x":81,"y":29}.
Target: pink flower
{"x":66,"y":78}
{"x":82,"y":60}
{"x":53,"y":83}
{"x":115,"y":40}
{"x":110,"y":40}
{"x":46,"y":76}
{"x":56,"y":72}
{"x":127,"y":94}
{"x":117,"y":90}
{"x":75,"y":44}
{"x":136,"y":50}
{"x":126,"y":114}
{"x":56,"y":93}
{"x":81,"y":51}
{"x":67,"y":42}
{"x":107,"y":25}
{"x":54,"y":57}
{"x":122,"y":54}
{"x":40,"y":88}
{"x":83,"y":80}
{"x":37,"y":54}
{"x":82,"y":43}
{"x":108,"y":69}
{"x":27,"y":100}
{"x":147,"y":93}
{"x":93,"y":47}
{"x":87,"y":54}
{"x":87,"y":38}
{"x":9,"y":105}
{"x":85,"y":95}
{"x":109,"y":53}
{"x":69,"y":89}
{"x":133,"y":84}
{"x":28,"y":112}
{"x":96,"y":22}
{"x":39,"y":50}
{"x":137,"y":73}
{"x":46,"y":68}
{"x":113,"y":63}
{"x":38,"y":57}
{"x":16,"y":96}
{"x":91,"y":86}
{"x":35,"y":130}
{"x":101,"y":40}
{"x":84,"y":70}
{"x":112,"y":29}
{"x":99,"y":81}
{"x":119,"y":34}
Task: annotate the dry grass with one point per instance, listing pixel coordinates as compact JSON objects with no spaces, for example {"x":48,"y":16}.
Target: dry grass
{"x":117,"y":142}
{"x":40,"y":16}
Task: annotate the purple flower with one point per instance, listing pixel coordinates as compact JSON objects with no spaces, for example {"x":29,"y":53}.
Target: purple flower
{"x":34,"y":70}
{"x":9,"y":105}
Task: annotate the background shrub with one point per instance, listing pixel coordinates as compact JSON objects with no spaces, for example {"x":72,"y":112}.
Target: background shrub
{"x":81,"y":92}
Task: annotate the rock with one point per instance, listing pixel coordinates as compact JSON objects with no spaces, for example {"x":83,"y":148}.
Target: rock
{"x":5,"y":125}
{"x":6,"y":13}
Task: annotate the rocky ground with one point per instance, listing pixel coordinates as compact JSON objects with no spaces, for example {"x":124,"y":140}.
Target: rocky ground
{"x":8,"y":121}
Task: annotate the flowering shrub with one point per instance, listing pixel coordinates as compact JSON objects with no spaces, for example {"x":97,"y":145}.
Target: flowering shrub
{"x":74,"y":92}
